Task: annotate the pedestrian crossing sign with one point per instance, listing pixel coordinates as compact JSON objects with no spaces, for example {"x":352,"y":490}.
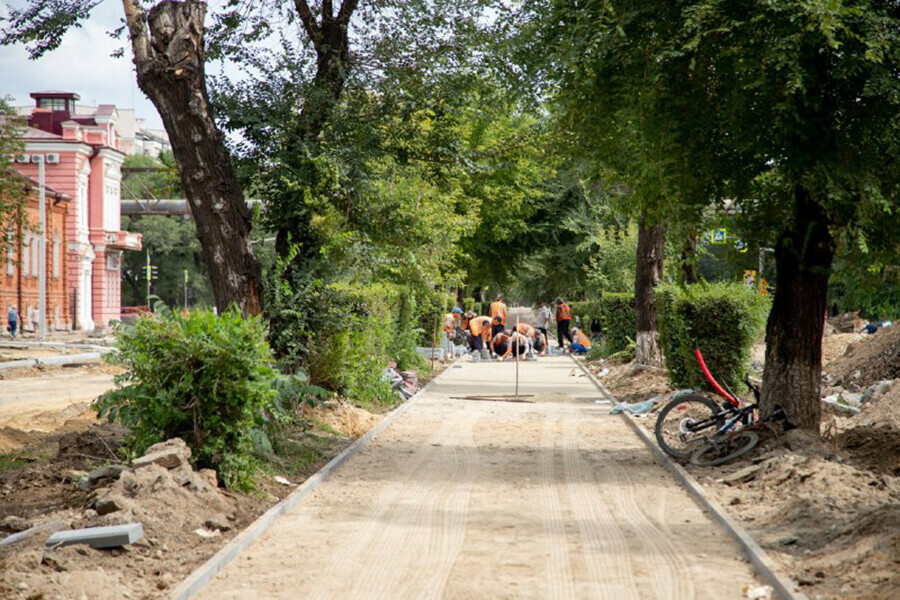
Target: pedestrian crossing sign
{"x":718,"y":236}
{"x":741,"y":246}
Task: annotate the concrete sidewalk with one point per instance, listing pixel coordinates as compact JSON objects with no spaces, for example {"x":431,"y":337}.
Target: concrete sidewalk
{"x":471,"y":499}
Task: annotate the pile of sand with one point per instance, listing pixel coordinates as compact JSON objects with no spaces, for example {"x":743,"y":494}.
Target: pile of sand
{"x":343,"y":417}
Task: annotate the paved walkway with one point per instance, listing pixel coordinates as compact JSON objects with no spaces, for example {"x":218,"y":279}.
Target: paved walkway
{"x":469,"y":499}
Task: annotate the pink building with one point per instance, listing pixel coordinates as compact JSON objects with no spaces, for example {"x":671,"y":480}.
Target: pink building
{"x":83,"y":161}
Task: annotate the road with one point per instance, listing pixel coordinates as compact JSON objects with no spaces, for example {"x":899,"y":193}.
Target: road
{"x":38,"y":403}
{"x":470,"y":499}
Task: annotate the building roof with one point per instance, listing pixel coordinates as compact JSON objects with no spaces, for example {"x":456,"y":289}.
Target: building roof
{"x":33,"y":133}
{"x":105,"y":110}
{"x":34,"y":184}
{"x":55,"y":93}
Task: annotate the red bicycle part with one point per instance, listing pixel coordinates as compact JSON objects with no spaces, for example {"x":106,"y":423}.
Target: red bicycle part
{"x":712,"y":380}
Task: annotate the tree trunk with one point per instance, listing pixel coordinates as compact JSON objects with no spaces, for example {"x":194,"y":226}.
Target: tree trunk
{"x":169,"y":60}
{"x":689,"y":273}
{"x":648,"y":273}
{"x":792,"y":375}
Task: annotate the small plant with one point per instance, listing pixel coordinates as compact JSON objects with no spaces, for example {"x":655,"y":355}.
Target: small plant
{"x":205,"y":378}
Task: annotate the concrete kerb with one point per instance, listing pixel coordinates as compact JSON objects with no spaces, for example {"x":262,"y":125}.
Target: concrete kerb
{"x":208,"y":570}
{"x":785,"y":587}
{"x":67,"y":359}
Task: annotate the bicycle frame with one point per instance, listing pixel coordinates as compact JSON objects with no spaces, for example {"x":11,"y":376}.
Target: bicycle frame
{"x":745,"y":414}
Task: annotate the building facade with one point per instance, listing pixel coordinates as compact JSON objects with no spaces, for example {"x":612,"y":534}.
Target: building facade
{"x":82,"y":161}
{"x":20,"y":268}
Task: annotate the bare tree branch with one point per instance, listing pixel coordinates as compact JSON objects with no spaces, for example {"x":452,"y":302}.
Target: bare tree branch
{"x":347,"y":8}
{"x":327,"y":11}
{"x":137,"y":29}
{"x":309,"y":21}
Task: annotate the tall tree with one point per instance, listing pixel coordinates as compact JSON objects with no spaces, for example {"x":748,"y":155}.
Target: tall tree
{"x":168,"y":49}
{"x":790,"y":108}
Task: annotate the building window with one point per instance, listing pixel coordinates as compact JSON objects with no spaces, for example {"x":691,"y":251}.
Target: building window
{"x":55,"y":255}
{"x":35,"y":254}
{"x":57,"y":104}
{"x":10,"y":251}
{"x":26,"y":254}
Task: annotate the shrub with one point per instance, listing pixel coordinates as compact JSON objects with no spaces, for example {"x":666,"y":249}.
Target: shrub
{"x":590,"y":314}
{"x":205,"y":378}
{"x":617,"y":319}
{"x":725,"y":319}
{"x":469,"y":304}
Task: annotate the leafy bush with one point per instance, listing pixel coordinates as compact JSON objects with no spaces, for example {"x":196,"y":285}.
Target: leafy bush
{"x":725,"y":319}
{"x":205,"y":378}
{"x":617,"y":320}
{"x":590,"y":314}
{"x":468,"y":304}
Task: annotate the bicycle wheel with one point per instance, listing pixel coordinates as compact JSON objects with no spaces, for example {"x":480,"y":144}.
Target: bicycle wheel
{"x":685,"y":423}
{"x":725,"y":450}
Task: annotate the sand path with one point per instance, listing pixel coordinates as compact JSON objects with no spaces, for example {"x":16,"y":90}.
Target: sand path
{"x":466,"y":499}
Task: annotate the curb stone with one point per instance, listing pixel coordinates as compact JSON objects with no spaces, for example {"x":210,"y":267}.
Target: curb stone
{"x":784,"y":587}
{"x":221,"y":559}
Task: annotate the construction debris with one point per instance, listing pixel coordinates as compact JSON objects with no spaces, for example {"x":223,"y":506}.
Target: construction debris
{"x":98,"y":537}
{"x":169,"y":454}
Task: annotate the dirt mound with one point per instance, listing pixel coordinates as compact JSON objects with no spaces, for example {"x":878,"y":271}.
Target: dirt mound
{"x":834,"y":347}
{"x":343,"y":417}
{"x":819,"y":516}
{"x":184,"y":515}
{"x":99,"y":442}
{"x":873,"y":436}
{"x":870,"y":361}
{"x":631,"y":383}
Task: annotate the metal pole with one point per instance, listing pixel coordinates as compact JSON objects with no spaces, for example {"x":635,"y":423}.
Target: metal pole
{"x":518,"y":354}
{"x":434,"y":341}
{"x":42,"y":251}
{"x":185,"y":287}
{"x":148,"y":278}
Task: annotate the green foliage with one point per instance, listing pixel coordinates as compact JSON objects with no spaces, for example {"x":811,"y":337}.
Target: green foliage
{"x":468,"y":304}
{"x":12,"y":185}
{"x":724,"y":319}
{"x":205,"y":378}
{"x":617,"y":319}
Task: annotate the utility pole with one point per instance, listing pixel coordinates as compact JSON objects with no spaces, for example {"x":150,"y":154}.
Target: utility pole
{"x":42,"y":249}
{"x":149,"y":273}
{"x":185,"y":287}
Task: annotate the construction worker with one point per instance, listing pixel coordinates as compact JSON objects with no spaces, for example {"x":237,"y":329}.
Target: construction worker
{"x":479,"y":332}
{"x":501,"y":346}
{"x":451,"y":320}
{"x":498,"y":309}
{"x":537,"y":339}
{"x":582,"y":343}
{"x":497,"y":326}
{"x":468,"y":316}
{"x":563,"y":319}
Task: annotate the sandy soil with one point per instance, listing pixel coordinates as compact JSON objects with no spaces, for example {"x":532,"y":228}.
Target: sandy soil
{"x":827,"y":510}
{"x":553,"y":498}
{"x":48,"y":401}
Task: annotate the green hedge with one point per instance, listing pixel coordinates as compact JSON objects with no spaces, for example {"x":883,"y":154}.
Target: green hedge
{"x":725,"y":319}
{"x":617,"y":320}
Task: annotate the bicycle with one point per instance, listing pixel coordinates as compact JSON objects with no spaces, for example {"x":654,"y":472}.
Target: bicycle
{"x":695,"y":427}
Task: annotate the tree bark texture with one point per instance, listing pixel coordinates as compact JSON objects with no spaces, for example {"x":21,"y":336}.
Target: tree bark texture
{"x":329,"y":35}
{"x":803,"y":256}
{"x":648,"y":273}
{"x":169,"y":59}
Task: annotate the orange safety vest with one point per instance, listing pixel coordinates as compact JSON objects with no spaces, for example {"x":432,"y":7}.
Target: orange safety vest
{"x":449,"y":318}
{"x":583,"y":340}
{"x":499,"y":339}
{"x":498,"y":309}
{"x":525,"y":329}
{"x":563,"y":313}
{"x":479,"y":325}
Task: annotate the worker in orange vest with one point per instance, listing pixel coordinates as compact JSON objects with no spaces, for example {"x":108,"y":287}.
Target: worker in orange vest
{"x":479,"y":332}
{"x":451,"y":319}
{"x":563,"y":319}
{"x":498,"y":309}
{"x":537,"y":338}
{"x":501,"y":346}
{"x":582,"y":343}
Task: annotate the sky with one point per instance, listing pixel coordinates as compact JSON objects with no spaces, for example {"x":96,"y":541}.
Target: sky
{"x":82,"y":64}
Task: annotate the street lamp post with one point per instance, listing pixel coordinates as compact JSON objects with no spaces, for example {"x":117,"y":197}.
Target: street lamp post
{"x":42,"y":248}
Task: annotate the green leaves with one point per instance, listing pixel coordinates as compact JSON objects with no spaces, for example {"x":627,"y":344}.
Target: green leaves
{"x":205,"y":378}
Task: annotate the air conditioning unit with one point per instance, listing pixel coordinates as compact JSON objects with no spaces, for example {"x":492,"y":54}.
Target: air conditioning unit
{"x":52,"y":159}
{"x":23,"y":158}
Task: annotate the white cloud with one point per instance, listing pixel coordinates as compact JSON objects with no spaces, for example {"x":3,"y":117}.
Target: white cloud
{"x":82,"y":64}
